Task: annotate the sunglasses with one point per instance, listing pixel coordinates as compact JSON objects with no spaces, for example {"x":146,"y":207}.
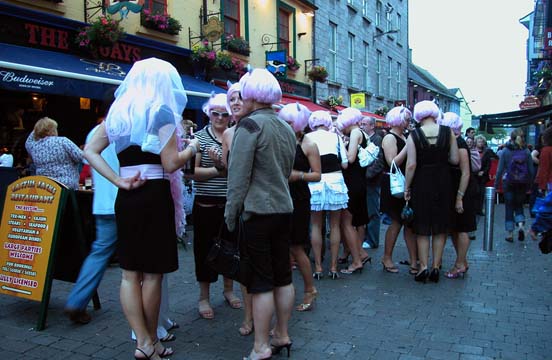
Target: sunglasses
{"x":220,"y":114}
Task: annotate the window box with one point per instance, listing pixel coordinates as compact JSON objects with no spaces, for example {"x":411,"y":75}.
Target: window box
{"x":142,"y":30}
{"x":334,"y":83}
{"x":352,"y":8}
{"x":366,"y":19}
{"x":163,"y":23}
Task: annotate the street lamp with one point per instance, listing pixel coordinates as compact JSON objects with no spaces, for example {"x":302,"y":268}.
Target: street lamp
{"x":385,"y":33}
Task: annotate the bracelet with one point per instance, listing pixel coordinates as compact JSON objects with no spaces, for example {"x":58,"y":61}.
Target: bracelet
{"x":460,"y":193}
{"x":302,"y":175}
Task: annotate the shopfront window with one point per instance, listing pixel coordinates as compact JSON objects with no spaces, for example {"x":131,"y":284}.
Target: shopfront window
{"x":283,"y":29}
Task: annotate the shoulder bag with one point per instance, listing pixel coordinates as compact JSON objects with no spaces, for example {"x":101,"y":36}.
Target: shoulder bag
{"x":224,"y":255}
{"x":396,"y":180}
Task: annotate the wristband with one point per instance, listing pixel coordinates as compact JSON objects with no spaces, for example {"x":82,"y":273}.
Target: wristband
{"x":460,"y":193}
{"x":302,"y":176}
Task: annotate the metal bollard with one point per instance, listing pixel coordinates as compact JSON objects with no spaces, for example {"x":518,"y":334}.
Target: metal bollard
{"x":489,"y":218}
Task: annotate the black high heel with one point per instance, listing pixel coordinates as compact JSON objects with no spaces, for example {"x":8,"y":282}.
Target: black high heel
{"x":367,"y":259}
{"x":333,"y":275}
{"x":317,"y":275}
{"x":434,"y":275}
{"x":276,"y":349}
{"x":422,"y":276}
{"x":146,"y":355}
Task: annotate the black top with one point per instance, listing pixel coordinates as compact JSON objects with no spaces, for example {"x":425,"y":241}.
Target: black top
{"x":354,"y":172}
{"x":133,"y":155}
{"x":299,"y":190}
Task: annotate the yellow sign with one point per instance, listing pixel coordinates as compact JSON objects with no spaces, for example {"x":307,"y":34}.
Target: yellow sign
{"x":27,"y":230}
{"x":213,"y":30}
{"x":358,"y":100}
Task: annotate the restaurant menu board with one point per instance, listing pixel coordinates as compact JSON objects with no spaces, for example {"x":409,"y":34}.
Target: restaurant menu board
{"x":29,"y":222}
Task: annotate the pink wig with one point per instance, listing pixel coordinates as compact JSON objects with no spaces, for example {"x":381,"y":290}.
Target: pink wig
{"x":232,"y":88}
{"x":261,"y":86}
{"x":398,"y":116}
{"x":453,"y":121}
{"x":425,"y":109}
{"x":320,"y":118}
{"x":215,"y":101}
{"x":348,"y":117}
{"x":296,"y":115}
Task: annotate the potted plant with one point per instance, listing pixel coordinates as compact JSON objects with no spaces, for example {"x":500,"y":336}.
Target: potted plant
{"x":235,"y":44}
{"x":224,"y":61}
{"x":292,"y":63}
{"x":202,"y":53}
{"x":334,"y":101}
{"x":104,"y":31}
{"x":318,"y":73}
{"x":161,"y":22}
{"x":381,"y":111}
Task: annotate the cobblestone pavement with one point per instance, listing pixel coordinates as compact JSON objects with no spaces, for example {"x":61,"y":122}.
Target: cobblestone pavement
{"x":501,"y":310}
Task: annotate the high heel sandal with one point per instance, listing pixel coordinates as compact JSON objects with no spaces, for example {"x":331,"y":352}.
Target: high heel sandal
{"x":434,"y":275}
{"x":318,"y":275}
{"x":455,"y":273}
{"x":276,"y":349}
{"x":422,"y":276}
{"x":350,"y":272}
{"x":390,"y":269}
{"x":366,"y":259}
{"x":333,"y":275}
{"x":143,"y":352}
{"x":255,"y":356}
{"x":166,"y":351}
{"x":308,"y":306}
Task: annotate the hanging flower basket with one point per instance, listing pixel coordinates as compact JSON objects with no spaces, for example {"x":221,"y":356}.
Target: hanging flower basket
{"x":318,"y":73}
{"x":161,"y":22}
{"x":236,"y":44}
{"x":382,"y":111}
{"x":104,"y":31}
{"x":334,"y":101}
{"x":293,"y":64}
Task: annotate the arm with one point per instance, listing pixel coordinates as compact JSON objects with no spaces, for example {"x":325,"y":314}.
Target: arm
{"x":343,"y":154}
{"x":410,"y":166}
{"x":464,"y":179}
{"x":535,"y":157}
{"x":226,"y":144}
{"x":172,"y":159}
{"x":203,"y":173}
{"x":354,"y":141}
{"x":72,"y":150}
{"x":453,"y":150}
{"x":500,"y":169}
{"x":389,"y":145}
{"x":92,"y":153}
{"x":240,"y":168}
{"x":313,"y":155}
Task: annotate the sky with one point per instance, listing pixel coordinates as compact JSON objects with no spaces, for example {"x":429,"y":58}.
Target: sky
{"x":478,"y":46}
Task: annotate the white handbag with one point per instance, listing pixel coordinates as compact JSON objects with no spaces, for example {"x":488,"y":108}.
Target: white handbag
{"x":369,"y":154}
{"x":396,"y":181}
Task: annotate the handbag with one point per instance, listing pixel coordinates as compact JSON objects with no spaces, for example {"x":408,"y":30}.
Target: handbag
{"x":224,"y":255}
{"x":369,"y":154}
{"x":407,"y":214}
{"x":396,"y":181}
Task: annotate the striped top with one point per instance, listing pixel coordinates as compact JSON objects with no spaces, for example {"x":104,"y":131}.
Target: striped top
{"x":213,"y":187}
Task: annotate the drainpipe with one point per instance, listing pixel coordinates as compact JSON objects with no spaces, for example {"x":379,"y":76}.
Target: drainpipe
{"x":204,"y":12}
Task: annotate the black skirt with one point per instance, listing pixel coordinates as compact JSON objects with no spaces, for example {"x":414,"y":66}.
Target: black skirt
{"x":146,"y":229}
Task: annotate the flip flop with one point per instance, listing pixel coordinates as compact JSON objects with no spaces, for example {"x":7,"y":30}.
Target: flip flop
{"x":232,"y":300}
{"x":205,"y":310}
{"x":168,"y":337}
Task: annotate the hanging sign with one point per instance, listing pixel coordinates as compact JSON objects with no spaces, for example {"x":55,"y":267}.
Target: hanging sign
{"x":276,"y":62}
{"x":358,"y":100}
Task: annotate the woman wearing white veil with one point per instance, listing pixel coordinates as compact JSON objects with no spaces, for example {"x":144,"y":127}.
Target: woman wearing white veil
{"x":143,"y":123}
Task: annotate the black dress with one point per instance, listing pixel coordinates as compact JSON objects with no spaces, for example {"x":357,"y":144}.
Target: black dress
{"x":464,"y":222}
{"x":431,"y":194}
{"x":300,"y":195}
{"x":391,"y":205}
{"x":145,"y":220}
{"x":356,"y":184}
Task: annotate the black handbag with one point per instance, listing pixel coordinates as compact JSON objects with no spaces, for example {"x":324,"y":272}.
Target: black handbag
{"x":545,"y":244}
{"x":224,"y":255}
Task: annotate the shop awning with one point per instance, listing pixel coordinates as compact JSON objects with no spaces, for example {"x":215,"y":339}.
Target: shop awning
{"x":514,"y":118}
{"x":289,"y":99}
{"x":33,"y":70}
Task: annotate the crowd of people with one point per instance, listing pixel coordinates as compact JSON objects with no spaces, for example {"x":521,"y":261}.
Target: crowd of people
{"x":280,"y":179}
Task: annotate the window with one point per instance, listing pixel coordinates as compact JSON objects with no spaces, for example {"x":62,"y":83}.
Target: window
{"x":389,"y":76}
{"x":332,"y":63}
{"x":366,"y":74}
{"x":388,"y":20}
{"x":351,"y":2}
{"x":365,"y":10}
{"x":231,"y":19}
{"x":399,"y":70}
{"x":156,"y":6}
{"x":398,"y":27}
{"x":378,"y":13}
{"x":415,"y":97}
{"x":283,"y":29}
{"x":351,"y":59}
{"x":378,"y":73}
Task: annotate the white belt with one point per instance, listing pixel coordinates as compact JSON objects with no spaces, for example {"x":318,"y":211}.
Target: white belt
{"x":147,"y":171}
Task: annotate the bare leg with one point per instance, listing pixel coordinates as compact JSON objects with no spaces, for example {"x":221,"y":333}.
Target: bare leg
{"x":247,"y":324}
{"x":438,"y":245}
{"x":335,"y":237}
{"x":423,"y":251}
{"x":205,"y":309}
{"x":283,"y":297}
{"x":304,"y":266}
{"x":228,"y":294}
{"x":410,"y":240}
{"x":390,"y":239}
{"x":351,"y":238}
{"x":463,"y":244}
{"x":263,"y":309}
{"x":316,"y":239}
{"x":361,"y":233}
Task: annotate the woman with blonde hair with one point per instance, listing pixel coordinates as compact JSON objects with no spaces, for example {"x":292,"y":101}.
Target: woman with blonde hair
{"x":142,"y":123}
{"x":328,"y":194}
{"x":394,"y":150}
{"x":430,"y":150}
{"x":515,"y":169}
{"x":54,"y":156}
